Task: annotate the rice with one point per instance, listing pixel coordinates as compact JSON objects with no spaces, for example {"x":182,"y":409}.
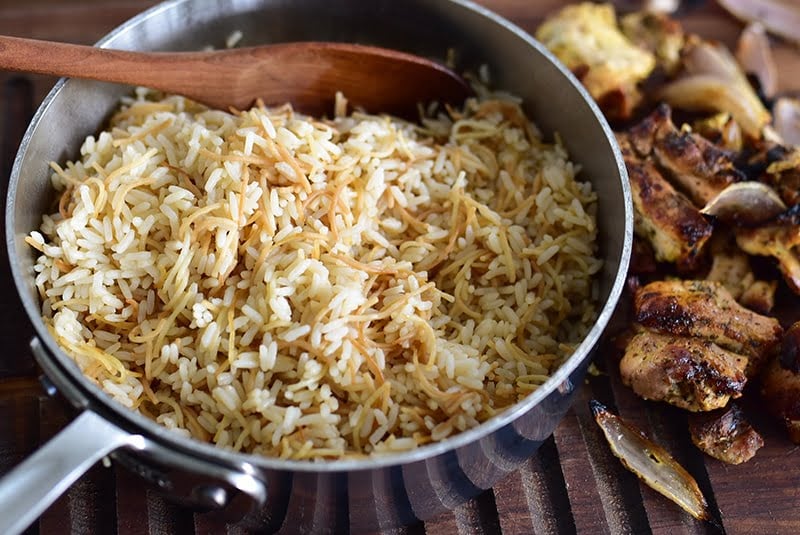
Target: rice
{"x":314,"y":289}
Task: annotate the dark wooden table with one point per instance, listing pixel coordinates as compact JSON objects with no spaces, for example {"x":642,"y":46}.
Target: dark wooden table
{"x":572,"y":485}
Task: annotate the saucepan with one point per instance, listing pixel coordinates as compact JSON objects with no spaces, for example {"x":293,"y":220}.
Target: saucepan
{"x":268,"y":493}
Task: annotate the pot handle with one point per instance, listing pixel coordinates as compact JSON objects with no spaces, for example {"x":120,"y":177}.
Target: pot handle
{"x":32,"y":486}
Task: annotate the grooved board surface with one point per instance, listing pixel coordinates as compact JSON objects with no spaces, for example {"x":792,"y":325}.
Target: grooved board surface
{"x":572,"y":485}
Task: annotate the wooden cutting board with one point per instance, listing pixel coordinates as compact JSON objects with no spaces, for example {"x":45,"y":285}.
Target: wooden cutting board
{"x":572,"y":485}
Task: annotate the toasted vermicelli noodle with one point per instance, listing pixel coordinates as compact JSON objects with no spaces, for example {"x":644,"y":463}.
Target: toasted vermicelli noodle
{"x":308,"y":288}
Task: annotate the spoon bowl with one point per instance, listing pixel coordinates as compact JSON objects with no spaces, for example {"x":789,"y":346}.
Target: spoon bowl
{"x":305,"y":74}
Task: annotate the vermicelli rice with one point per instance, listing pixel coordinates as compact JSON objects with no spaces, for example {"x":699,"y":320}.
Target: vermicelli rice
{"x":310,"y":289}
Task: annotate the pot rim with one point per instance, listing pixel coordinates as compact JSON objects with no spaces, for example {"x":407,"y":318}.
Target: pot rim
{"x":97,"y":400}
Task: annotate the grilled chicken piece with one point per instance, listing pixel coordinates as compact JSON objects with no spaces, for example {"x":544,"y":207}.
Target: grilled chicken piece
{"x":587,"y":39}
{"x":783,"y":172}
{"x":721,"y":130}
{"x":725,"y":434}
{"x":700,"y":168}
{"x":689,"y":373}
{"x":706,"y":310}
{"x":658,"y":33}
{"x":780,"y":383}
{"x":781,"y":390}
{"x":730,"y":267}
{"x":790,"y":348}
{"x":665,"y":217}
{"x":777,"y":240}
{"x":760,"y":296}
{"x":758,"y":155}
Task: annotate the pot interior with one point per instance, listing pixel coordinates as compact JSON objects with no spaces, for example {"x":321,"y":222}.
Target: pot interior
{"x":430,"y":28}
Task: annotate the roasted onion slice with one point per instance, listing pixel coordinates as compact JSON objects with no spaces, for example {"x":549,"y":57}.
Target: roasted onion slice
{"x":780,"y":17}
{"x":652,"y":463}
{"x":745,"y":203}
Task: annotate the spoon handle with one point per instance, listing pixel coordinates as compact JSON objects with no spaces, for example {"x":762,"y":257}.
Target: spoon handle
{"x":209,"y":77}
{"x":303,"y":73}
{"x":80,"y":61}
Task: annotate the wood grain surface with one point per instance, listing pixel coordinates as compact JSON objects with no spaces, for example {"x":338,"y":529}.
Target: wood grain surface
{"x":572,"y":485}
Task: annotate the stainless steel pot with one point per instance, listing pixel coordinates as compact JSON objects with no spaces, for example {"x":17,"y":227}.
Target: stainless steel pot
{"x":301,"y":496}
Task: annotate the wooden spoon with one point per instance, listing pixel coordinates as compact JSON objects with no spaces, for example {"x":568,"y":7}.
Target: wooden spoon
{"x":307,"y":74}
